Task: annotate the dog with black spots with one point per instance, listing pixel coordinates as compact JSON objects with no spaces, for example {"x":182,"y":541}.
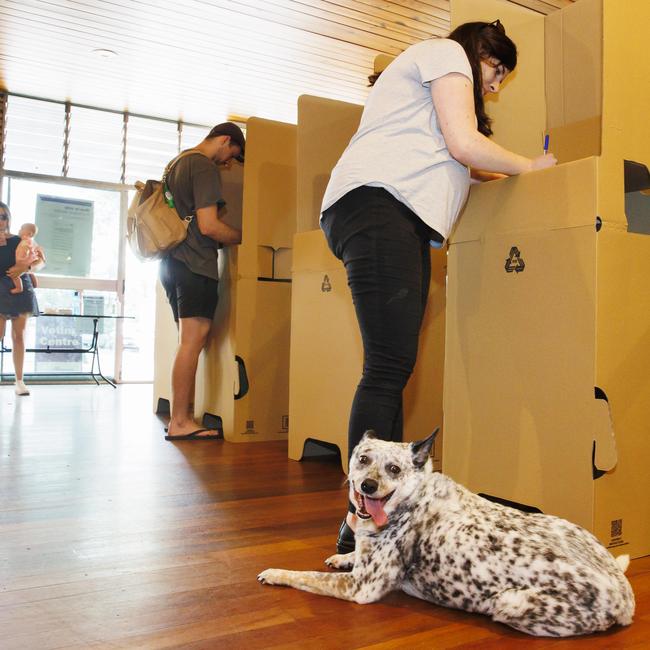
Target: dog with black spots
{"x":423,"y":533}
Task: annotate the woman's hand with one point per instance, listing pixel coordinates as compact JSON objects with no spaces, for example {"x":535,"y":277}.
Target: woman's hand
{"x":18,"y":269}
{"x":39,"y":260}
{"x":543,"y":162}
{"x":32,"y":263}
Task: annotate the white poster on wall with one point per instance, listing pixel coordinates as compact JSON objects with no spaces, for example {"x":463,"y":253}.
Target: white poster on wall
{"x":65,"y":232}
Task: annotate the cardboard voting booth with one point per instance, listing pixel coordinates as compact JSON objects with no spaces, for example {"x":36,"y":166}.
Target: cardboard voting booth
{"x":243,"y":376}
{"x":326,"y":350}
{"x":327,"y":354}
{"x":546,"y":394}
{"x":165,"y":329}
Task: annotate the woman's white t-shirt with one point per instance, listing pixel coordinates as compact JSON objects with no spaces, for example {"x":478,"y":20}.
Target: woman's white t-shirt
{"x":399,"y":145}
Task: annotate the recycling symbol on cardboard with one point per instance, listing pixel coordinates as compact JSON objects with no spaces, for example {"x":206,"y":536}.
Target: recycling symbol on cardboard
{"x":327,"y":285}
{"x":515,"y":262}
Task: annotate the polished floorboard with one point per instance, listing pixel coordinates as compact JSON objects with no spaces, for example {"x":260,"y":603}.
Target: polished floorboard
{"x":111,"y":537}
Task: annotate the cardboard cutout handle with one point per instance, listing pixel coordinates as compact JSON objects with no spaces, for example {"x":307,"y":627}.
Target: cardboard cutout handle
{"x":604,"y":454}
{"x":243,"y":378}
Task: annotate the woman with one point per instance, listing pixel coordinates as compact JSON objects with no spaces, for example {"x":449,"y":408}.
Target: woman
{"x":397,"y":189}
{"x":16,"y":307}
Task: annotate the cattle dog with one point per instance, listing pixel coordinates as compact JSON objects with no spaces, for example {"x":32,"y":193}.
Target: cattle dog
{"x":422,"y":533}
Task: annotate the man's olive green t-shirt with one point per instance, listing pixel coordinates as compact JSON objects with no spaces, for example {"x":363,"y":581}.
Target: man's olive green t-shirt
{"x":195,"y":183}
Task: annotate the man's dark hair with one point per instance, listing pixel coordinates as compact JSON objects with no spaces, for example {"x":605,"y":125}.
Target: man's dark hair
{"x":235,"y":133}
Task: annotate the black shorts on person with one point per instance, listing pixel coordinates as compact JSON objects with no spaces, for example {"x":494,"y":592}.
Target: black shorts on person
{"x":190,"y":295}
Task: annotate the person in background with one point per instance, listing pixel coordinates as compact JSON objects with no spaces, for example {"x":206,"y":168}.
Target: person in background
{"x":17,"y":307}
{"x":398,"y":189}
{"x":189,"y":273}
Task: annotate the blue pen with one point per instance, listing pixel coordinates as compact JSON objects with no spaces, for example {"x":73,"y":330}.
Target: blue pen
{"x":546,"y":137}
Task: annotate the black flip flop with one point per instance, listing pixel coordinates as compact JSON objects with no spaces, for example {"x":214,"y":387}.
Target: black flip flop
{"x":194,"y":435}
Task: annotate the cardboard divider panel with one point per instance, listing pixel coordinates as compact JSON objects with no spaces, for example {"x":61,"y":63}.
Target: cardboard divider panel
{"x":254,"y":326}
{"x":269,"y":203}
{"x":250,"y":331}
{"x":574,"y":91}
{"x":518,"y":110}
{"x":327,"y":355}
{"x":325,"y":127}
{"x":165,"y":330}
{"x":546,"y":390}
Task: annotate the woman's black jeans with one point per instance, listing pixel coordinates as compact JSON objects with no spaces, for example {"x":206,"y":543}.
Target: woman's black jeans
{"x":385,"y":249}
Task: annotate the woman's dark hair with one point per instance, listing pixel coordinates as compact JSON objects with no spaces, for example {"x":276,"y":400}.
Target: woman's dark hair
{"x":484,"y":41}
{"x":5,"y":207}
{"x":480,"y":41}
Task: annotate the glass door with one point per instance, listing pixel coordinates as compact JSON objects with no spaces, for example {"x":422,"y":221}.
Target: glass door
{"x":90,"y":270}
{"x":79,"y":230}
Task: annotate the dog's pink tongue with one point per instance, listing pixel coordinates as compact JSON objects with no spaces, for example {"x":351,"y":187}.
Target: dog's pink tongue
{"x":375,"y":509}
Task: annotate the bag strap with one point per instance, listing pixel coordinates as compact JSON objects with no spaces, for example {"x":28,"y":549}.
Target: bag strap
{"x":172,"y":163}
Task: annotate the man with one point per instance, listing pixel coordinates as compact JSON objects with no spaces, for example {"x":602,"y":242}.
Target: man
{"x":189,"y":273}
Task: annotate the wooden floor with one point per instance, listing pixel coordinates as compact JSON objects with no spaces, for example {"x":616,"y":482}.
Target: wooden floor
{"x":111,"y":537}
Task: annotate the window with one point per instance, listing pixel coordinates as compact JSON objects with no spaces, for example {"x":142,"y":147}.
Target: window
{"x":34,"y":136}
{"x":81,"y":223}
{"x":150,"y":146}
{"x":95,"y":145}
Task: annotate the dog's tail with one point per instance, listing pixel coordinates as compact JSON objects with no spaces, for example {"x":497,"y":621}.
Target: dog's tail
{"x":623,"y":561}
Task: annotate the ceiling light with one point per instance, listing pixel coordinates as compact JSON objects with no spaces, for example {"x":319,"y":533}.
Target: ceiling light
{"x":104,"y":54}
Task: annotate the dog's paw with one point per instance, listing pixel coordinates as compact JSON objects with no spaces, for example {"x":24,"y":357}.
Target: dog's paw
{"x":271,"y":577}
{"x":342,"y":562}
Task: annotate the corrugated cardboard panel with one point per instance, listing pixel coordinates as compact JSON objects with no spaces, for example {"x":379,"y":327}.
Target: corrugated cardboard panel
{"x":423,"y":395}
{"x":232,"y":188}
{"x":262,"y":341}
{"x":325,"y":127}
{"x":274,"y":263}
{"x":554,"y":71}
{"x":166,"y":331}
{"x":165,"y":343}
{"x":518,"y":111}
{"x":216,"y":375}
{"x":577,"y":140}
{"x":574,"y":54}
{"x":327,"y":354}
{"x":623,"y":358}
{"x":282,"y":263}
{"x":269,"y":190}
{"x":311,"y":253}
{"x":519,"y":405}
{"x":519,"y":204}
{"x":382,"y":61}
{"x":626,"y":97}
{"x":252,"y":322}
{"x":582,"y":54}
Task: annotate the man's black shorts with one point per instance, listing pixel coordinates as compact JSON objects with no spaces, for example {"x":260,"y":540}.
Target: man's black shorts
{"x":190,"y":295}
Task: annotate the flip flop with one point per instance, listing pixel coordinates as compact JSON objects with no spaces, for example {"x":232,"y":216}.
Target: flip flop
{"x":194,"y":435}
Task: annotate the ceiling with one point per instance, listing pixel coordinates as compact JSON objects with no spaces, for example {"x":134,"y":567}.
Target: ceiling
{"x":204,"y":60}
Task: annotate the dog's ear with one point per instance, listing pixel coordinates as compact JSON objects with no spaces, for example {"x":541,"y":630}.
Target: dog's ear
{"x":422,"y":449}
{"x":370,"y":434}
